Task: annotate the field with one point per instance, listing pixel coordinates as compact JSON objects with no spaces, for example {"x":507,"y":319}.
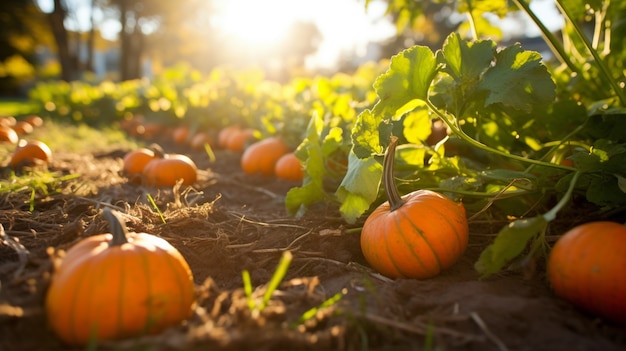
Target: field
{"x":230,"y":221}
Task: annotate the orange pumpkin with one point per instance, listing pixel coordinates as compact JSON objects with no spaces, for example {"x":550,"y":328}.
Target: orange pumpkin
{"x":289,"y":167}
{"x":135,"y":161}
{"x":23,"y":127}
{"x":224,"y":135}
{"x":34,"y":120}
{"x":29,"y":153}
{"x":8,"y":135}
{"x":180,"y":134}
{"x":118,"y":285}
{"x":169,"y":169}
{"x":201,"y":139}
{"x":417,"y":235}
{"x":261,"y":156}
{"x":586,"y":267}
{"x":238,"y":139}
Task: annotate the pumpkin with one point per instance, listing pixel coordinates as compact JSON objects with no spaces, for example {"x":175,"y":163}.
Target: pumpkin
{"x":34,"y":120}
{"x":289,"y":167}
{"x":586,"y":267}
{"x":29,"y":153}
{"x":8,"y":135}
{"x":417,"y":235}
{"x":118,"y":285}
{"x":224,"y":135}
{"x":201,"y":139}
{"x":168,"y":169}
{"x":261,"y":156}
{"x":135,"y":161}
{"x":23,"y":127}
{"x":238,"y":139}
{"x":180,"y":134}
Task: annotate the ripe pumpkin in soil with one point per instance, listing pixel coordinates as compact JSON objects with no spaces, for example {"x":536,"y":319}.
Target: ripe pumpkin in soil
{"x":289,"y":167}
{"x":29,"y":153}
{"x":135,"y":161}
{"x":586,"y":267}
{"x":224,"y":135}
{"x":118,"y":285}
{"x":417,"y":235}
{"x":238,"y":139}
{"x":261,"y":156}
{"x":169,"y":169}
{"x":8,"y":135}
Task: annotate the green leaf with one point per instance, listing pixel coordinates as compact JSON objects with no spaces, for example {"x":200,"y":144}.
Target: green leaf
{"x":408,"y":78}
{"x":509,"y":243}
{"x":465,"y":60}
{"x":417,"y":126}
{"x":365,"y":136}
{"x":518,"y":79}
{"x":359,"y":188}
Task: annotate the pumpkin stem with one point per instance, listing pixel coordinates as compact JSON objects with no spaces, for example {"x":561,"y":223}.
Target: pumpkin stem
{"x":395,"y":200}
{"x":116,"y":227}
{"x":158,"y":150}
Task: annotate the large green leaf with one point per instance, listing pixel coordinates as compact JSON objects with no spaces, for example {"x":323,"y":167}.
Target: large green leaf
{"x":518,"y":79}
{"x":359,"y":188}
{"x":408,"y":78}
{"x":509,"y":244}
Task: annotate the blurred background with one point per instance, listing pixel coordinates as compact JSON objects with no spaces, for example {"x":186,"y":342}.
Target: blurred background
{"x":121,"y":40}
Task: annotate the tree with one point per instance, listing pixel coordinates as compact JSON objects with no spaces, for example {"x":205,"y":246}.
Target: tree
{"x":23,"y":29}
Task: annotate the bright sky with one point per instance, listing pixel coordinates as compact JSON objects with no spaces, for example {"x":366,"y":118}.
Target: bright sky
{"x":344,"y":24}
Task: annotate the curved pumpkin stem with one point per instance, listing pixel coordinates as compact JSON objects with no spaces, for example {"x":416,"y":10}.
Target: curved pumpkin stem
{"x":116,"y":227}
{"x":157,"y":149}
{"x":395,"y":200}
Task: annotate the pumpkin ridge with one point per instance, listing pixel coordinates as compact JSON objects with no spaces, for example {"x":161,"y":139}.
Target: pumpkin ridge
{"x":425,"y":238}
{"x":389,"y":252}
{"x":121,"y":292}
{"x":453,"y":227}
{"x":149,"y":307}
{"x":179,"y":284}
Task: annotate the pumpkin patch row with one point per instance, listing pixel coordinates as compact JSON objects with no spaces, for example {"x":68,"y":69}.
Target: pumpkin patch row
{"x":151,"y":166}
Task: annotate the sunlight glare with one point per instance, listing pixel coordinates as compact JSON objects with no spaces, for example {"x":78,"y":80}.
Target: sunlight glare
{"x":253,"y":21}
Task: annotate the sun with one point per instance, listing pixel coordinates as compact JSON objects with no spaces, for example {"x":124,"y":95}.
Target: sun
{"x":254,"y":22}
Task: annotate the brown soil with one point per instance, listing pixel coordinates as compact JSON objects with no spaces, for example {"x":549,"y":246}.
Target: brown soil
{"x":229,"y":222}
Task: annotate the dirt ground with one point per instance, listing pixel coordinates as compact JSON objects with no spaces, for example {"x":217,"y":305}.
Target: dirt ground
{"x":229,"y":222}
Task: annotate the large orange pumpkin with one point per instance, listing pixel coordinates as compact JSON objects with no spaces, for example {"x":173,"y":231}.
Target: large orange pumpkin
{"x":417,"y":235}
{"x":118,"y":285}
{"x":586,"y":267}
{"x":261,"y":156}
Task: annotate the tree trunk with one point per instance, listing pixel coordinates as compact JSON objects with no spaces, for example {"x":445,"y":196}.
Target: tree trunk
{"x":56,"y":19}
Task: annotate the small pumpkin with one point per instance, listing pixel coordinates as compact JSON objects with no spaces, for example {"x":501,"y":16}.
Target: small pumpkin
{"x":180,"y":134}
{"x":30,"y":152}
{"x":239,"y":138}
{"x":289,"y":167}
{"x":168,"y":169}
{"x":118,"y":285}
{"x":417,"y":235}
{"x":8,"y":135}
{"x":225,"y":133}
{"x":586,"y":267}
{"x":23,"y":128}
{"x":34,"y":120}
{"x":135,"y":161}
{"x":201,"y":139}
{"x":261,"y":156}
